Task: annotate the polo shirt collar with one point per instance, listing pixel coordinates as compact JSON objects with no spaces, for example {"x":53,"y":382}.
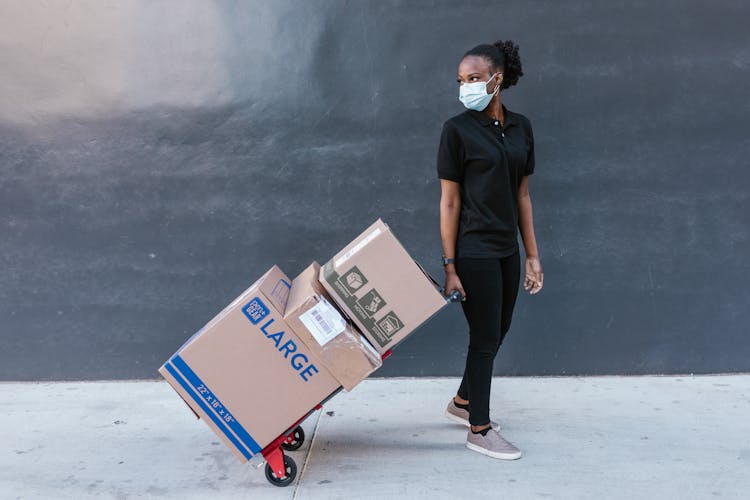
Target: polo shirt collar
{"x":485,"y":120}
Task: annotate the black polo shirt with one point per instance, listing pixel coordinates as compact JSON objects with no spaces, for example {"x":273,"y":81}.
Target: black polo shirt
{"x":488,"y":161}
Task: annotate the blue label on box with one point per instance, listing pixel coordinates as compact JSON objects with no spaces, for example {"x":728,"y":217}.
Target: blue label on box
{"x":255,"y":310}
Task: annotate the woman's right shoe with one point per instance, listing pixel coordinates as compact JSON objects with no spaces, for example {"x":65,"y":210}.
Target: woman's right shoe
{"x":493,"y":445}
{"x":461,"y":416}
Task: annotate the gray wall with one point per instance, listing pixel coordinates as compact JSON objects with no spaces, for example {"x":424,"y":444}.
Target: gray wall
{"x":156,"y":157}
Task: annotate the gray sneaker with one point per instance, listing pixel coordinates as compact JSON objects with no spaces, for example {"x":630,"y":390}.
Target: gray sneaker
{"x":493,"y":445}
{"x":461,"y":416}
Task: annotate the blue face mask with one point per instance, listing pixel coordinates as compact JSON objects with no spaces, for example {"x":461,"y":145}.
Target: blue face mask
{"x":474,"y":95}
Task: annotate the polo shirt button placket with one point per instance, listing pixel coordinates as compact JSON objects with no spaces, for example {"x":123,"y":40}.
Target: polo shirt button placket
{"x":502,"y":133}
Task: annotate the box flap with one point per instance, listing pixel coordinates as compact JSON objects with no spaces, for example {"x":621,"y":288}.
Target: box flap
{"x":275,"y":285}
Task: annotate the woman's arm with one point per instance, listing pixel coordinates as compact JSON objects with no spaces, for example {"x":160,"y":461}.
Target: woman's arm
{"x":450,"y":209}
{"x":534,"y":276}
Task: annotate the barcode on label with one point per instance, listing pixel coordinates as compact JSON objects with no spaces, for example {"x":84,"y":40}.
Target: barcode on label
{"x":321,"y":321}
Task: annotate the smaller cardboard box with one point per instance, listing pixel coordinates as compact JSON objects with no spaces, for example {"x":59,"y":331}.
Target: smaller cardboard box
{"x":380,"y":287}
{"x":309,"y":312}
{"x":246,"y":374}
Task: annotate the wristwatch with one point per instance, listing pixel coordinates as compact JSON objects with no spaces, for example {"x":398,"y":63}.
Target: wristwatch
{"x":447,"y":261}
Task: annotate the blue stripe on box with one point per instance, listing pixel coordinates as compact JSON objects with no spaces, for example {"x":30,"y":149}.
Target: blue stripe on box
{"x":219,"y":410}
{"x":216,"y":420}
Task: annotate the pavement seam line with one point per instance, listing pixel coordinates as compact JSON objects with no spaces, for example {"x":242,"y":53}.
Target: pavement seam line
{"x":307,"y":455}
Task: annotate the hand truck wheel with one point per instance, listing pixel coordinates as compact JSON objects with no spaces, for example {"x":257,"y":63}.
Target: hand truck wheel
{"x":295,"y":440}
{"x":291,"y":473}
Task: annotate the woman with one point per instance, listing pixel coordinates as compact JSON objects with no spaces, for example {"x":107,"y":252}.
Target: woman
{"x":485,"y":156}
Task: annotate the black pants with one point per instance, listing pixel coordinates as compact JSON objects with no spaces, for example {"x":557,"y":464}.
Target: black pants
{"x":491,"y":287}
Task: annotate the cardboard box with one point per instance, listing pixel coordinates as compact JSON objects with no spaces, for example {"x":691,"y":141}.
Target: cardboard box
{"x":337,"y":343}
{"x":377,"y":284}
{"x":246,"y":374}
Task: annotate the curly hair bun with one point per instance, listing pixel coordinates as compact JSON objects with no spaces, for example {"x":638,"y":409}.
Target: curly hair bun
{"x":512,"y":67}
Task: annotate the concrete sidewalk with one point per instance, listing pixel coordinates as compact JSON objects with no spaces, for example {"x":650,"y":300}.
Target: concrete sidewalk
{"x":583,"y":438}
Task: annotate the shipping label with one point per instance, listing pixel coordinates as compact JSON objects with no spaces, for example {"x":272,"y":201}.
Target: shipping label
{"x":323,"y":322}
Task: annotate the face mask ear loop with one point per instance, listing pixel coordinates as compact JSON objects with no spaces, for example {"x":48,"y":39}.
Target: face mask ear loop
{"x":497,"y":85}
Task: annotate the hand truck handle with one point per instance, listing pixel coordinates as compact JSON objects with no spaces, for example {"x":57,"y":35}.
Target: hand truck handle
{"x":454,"y":297}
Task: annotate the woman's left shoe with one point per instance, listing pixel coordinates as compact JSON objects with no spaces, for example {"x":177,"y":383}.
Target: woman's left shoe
{"x":461,"y":416}
{"x":492,"y":444}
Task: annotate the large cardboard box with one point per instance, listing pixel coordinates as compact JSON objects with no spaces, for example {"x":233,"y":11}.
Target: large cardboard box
{"x":316,"y":321}
{"x":246,"y":374}
{"x":385,"y":292}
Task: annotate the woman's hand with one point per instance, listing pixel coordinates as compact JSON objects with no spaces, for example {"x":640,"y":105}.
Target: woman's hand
{"x":534,"y":279}
{"x":452,"y":283}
